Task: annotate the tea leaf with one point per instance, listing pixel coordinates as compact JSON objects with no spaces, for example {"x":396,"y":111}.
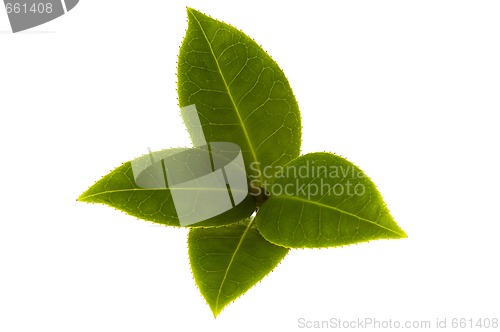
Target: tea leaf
{"x":227,"y":261}
{"x":241,"y":94}
{"x":153,"y":200}
{"x":323,"y":200}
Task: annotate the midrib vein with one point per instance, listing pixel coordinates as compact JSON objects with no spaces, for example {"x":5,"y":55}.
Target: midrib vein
{"x":131,"y":190}
{"x":336,"y":209}
{"x":245,"y":132}
{"x":231,"y":262}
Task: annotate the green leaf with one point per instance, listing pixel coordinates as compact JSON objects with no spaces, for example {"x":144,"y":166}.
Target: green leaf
{"x":152,"y":200}
{"x":241,"y":94}
{"x":234,"y":96}
{"x":323,"y":200}
{"x":227,"y":261}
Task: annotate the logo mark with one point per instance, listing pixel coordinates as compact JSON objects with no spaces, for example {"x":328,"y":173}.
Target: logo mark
{"x":204,"y":181}
{"x":26,"y":14}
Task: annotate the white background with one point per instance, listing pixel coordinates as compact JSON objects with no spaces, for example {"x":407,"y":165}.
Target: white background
{"x":409,"y":91}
